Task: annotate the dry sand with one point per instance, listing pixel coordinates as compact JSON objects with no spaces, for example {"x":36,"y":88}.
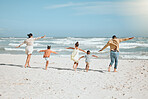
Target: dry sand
{"x":61,"y":82}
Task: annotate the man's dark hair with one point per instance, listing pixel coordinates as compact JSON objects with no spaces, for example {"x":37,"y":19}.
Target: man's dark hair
{"x":48,"y":47}
{"x":88,"y":51}
{"x":29,"y":35}
{"x":114,"y":36}
{"x":77,"y":44}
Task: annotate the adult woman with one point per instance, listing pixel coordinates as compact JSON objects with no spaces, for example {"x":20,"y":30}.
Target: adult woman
{"x":29,"y":47}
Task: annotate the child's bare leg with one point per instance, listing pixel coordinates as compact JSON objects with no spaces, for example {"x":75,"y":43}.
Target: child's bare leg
{"x":47,"y":62}
{"x":87,"y":67}
{"x":76,"y":66}
{"x":109,"y":68}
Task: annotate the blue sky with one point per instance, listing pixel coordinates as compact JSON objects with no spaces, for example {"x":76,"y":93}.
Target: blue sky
{"x":76,"y":18}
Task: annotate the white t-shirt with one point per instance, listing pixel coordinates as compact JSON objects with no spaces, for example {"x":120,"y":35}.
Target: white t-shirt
{"x":30,"y":41}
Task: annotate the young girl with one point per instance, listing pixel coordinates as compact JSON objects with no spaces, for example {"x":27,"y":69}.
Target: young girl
{"x":87,"y":59}
{"x":75,"y":54}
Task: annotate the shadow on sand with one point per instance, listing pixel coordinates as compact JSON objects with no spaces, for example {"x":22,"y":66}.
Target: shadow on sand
{"x":21,"y":66}
{"x":12,"y":65}
{"x":78,"y":69}
{"x":57,"y":68}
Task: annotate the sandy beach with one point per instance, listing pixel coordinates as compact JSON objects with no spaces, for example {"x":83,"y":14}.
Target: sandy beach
{"x":60,"y":81}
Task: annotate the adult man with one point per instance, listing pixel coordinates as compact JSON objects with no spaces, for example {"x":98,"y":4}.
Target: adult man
{"x":114,"y":50}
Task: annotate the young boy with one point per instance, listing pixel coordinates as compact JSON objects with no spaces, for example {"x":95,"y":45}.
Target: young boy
{"x":47,"y":55}
{"x":87,"y":59}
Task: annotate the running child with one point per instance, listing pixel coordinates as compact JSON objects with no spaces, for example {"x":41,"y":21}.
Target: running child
{"x":87,"y":59}
{"x":75,"y":55}
{"x":46,"y":55}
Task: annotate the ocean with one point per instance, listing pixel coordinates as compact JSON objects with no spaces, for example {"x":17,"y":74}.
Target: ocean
{"x":132,"y":49}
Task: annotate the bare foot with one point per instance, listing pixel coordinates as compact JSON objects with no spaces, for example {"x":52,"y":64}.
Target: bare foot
{"x":115,"y":70}
{"x":29,"y":66}
{"x":75,"y":69}
{"x":108,"y":69}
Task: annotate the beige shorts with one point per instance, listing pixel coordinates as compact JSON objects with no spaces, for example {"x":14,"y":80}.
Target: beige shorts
{"x":29,"y":50}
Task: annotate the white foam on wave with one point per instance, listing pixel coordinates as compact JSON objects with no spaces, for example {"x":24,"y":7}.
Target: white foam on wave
{"x":14,"y":49}
{"x":134,"y":53}
{"x":134,"y":44}
{"x":64,"y":42}
{"x":48,"y":37}
{"x":15,"y":41}
{"x":59,"y":50}
{"x":21,"y":49}
{"x":90,"y":43}
{"x":2,"y":40}
{"x":17,"y":44}
{"x":42,"y":41}
{"x":101,"y":46}
{"x":70,"y":42}
{"x":134,"y":56}
{"x":74,"y":38}
{"x":13,"y":38}
{"x":127,"y":47}
{"x":56,"y":50}
{"x":97,"y":39}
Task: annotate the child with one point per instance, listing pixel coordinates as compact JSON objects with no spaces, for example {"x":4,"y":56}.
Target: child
{"x":87,"y":59}
{"x":75,"y":54}
{"x":47,"y":55}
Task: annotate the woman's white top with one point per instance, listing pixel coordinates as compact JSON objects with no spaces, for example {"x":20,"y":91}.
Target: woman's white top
{"x":30,"y":41}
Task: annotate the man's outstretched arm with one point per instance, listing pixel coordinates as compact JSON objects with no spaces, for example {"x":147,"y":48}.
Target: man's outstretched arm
{"x":125,"y":39}
{"x":104,"y":47}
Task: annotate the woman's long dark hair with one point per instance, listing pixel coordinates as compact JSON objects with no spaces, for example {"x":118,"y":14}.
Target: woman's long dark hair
{"x":29,"y":35}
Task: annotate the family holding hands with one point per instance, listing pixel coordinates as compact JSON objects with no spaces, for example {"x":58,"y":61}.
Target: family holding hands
{"x":114,"y":52}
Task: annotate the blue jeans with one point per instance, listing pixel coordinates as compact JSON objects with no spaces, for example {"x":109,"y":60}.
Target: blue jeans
{"x":114,"y":57}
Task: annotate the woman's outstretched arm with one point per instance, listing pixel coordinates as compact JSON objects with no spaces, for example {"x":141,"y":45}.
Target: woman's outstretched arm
{"x":82,"y":50}
{"x":39,"y":37}
{"x":20,"y":44}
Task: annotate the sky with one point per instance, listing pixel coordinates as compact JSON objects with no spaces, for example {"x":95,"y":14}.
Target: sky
{"x":74,"y":18}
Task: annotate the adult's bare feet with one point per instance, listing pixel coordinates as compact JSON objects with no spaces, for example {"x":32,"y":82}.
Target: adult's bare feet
{"x":115,"y":70}
{"x":109,"y":68}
